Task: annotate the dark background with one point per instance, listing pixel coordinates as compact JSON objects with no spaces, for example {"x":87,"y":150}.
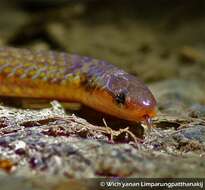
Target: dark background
{"x":156,"y":40}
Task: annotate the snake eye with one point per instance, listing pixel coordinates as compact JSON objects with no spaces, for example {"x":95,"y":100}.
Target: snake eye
{"x":120,"y":98}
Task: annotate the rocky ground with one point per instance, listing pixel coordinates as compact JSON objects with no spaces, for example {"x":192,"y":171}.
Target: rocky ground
{"x":163,"y":44}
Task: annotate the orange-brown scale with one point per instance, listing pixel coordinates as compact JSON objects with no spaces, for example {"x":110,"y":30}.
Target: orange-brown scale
{"x":65,"y":77}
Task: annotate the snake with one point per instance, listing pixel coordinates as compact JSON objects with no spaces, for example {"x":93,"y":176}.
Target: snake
{"x":53,"y":75}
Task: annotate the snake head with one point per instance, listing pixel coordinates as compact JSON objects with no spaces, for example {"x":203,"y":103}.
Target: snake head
{"x":132,"y":96}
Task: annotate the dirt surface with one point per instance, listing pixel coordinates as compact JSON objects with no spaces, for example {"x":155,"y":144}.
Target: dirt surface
{"x":163,"y":44}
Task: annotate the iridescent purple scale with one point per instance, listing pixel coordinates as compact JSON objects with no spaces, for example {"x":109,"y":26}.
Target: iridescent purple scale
{"x":86,"y":59}
{"x":76,"y":63}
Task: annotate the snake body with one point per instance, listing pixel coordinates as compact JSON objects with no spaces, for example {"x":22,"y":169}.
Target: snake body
{"x":70,"y":77}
